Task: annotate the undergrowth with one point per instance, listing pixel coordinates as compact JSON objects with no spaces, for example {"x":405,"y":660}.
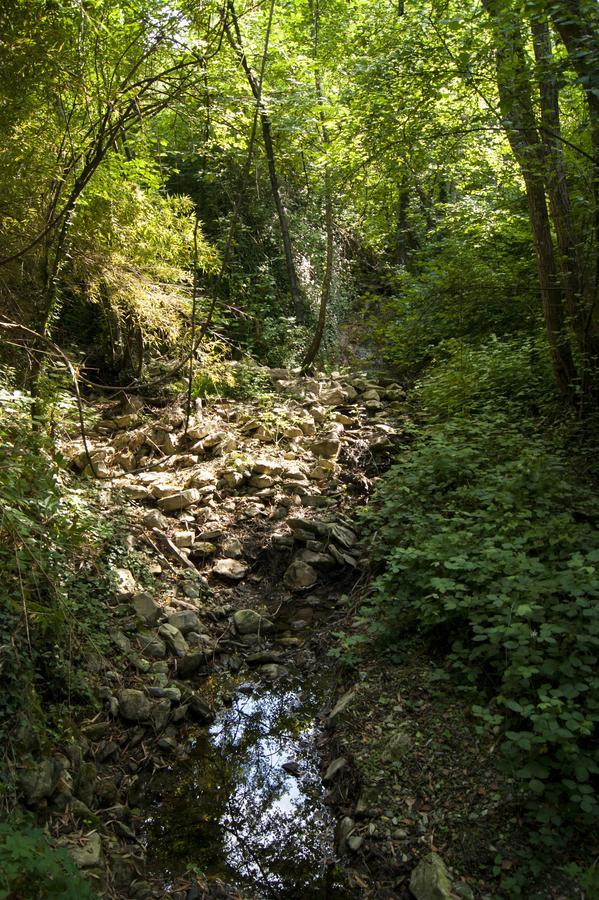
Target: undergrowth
{"x":30,"y":869}
{"x":53,"y":588}
{"x":486,"y":545}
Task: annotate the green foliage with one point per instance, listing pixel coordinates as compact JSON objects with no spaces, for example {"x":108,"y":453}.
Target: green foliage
{"x":465,"y":379}
{"x":472,"y":278}
{"x":30,"y":869}
{"x":48,"y":610}
{"x":587,"y":878}
{"x":487,"y":545}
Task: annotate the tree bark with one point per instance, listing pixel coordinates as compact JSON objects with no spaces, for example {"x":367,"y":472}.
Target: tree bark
{"x":569,"y":243}
{"x":513,"y":81}
{"x":577,"y":23}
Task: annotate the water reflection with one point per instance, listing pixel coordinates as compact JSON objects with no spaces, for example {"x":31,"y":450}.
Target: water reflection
{"x":232,"y":811}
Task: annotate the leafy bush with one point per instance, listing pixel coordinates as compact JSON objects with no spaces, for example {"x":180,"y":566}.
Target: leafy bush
{"x":46,"y":608}
{"x":466,"y":378}
{"x":472,"y":277}
{"x":30,"y":869}
{"x":487,"y":545}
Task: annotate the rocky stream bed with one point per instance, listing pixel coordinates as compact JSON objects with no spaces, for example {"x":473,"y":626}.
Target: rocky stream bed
{"x":210,"y":770}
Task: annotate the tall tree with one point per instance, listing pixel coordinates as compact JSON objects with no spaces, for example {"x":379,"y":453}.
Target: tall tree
{"x":233,"y":32}
{"x":515,"y":96}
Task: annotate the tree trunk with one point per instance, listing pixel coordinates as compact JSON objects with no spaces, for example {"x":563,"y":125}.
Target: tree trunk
{"x":234,"y":38}
{"x":513,"y":81}
{"x":327,"y":280}
{"x":568,"y":242}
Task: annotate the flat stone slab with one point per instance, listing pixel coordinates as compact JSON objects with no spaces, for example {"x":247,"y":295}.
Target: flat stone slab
{"x":179,"y":500}
{"x":230,"y":568}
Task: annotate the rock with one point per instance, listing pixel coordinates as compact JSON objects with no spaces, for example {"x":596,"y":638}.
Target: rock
{"x":267,"y":467}
{"x":183,"y":538}
{"x":172,"y":694}
{"x":233,"y":548}
{"x":146,"y":608}
{"x":189,"y":664}
{"x":185,"y":621}
{"x":214,"y":439}
{"x":85,"y":786}
{"x":200,"y":710}
{"x":273,"y":671}
{"x":342,"y":703}
{"x":201,"y":479}
{"x":354,"y":842}
{"x":179,"y":500}
{"x":231,"y":569}
{"x":334,"y":396}
{"x":328,"y":446}
{"x":203,"y":548}
{"x":344,"y":559}
{"x":300,"y":576}
{"x":161,"y":711}
{"x":344,"y":830}
{"x":233,"y":478}
{"x":339,"y":533}
{"x":134,"y":706}
{"x":248,"y":621}
{"x":430,"y":879}
{"x":292,"y":432}
{"x":334,"y":768}
{"x":316,"y":558}
{"x":371,"y":395}
{"x":151,"y":646}
{"x":174,"y":639}
{"x":125,"y":582}
{"x":262,"y":657}
{"x":120,"y":640}
{"x":135,"y":491}
{"x":40,"y":781}
{"x":88,"y":854}
{"x":261,"y":481}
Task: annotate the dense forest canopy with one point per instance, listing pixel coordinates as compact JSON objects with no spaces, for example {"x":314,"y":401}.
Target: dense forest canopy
{"x":403,"y":155}
{"x":191,"y":192}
